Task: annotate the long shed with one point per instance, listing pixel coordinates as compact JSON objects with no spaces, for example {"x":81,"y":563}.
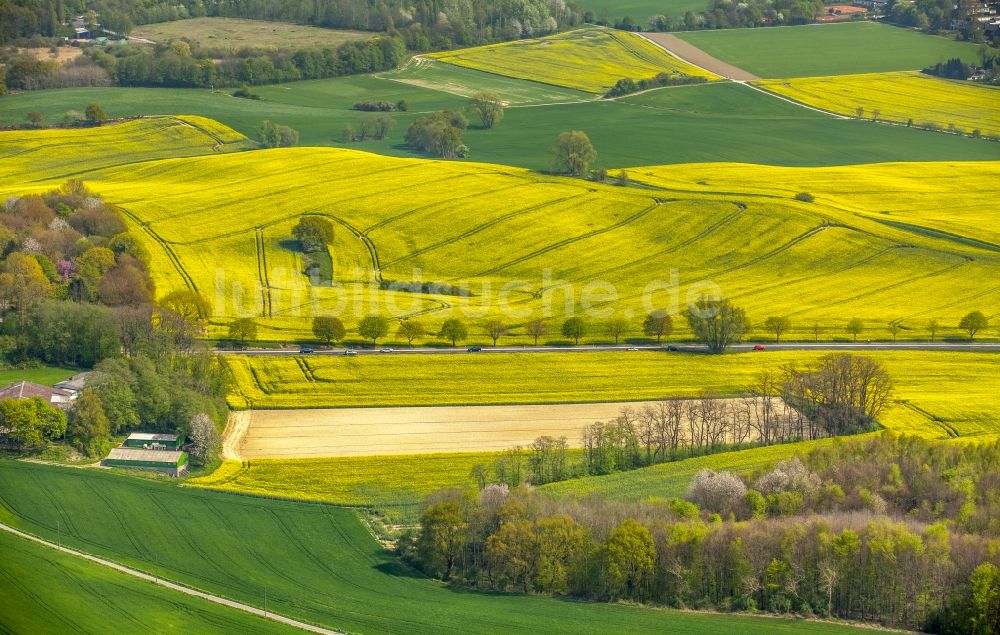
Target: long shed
{"x":172,"y":462}
{"x":154,"y":441}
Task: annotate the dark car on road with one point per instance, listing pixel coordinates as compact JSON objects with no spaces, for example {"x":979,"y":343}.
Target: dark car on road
{"x":306,"y":350}
{"x":475,"y":349}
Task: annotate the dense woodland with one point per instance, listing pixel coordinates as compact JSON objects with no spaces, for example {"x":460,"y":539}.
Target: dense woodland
{"x":424,"y":24}
{"x":887,"y":529}
{"x":75,"y":291}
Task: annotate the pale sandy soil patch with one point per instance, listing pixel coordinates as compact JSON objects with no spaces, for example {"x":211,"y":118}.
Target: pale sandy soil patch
{"x":414,"y":430}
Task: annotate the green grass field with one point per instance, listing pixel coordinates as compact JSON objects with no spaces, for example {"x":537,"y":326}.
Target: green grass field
{"x":237,"y":33}
{"x":45,"y":591}
{"x":317,"y":562}
{"x":824,"y":262}
{"x":715,"y":122}
{"x":829,"y":49}
{"x":45,"y":375}
{"x":671,"y":480}
{"x":641,"y":9}
{"x":937,"y":394}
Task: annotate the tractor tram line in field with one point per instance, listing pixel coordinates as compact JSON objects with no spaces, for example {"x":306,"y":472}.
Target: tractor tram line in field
{"x":154,"y":579}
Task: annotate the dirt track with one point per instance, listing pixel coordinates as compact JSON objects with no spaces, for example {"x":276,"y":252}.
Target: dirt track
{"x":694,"y":55}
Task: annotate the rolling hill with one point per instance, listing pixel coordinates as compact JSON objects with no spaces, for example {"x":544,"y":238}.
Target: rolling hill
{"x":221,"y":224}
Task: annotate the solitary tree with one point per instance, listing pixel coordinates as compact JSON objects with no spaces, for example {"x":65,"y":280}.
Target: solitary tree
{"x":187,"y":304}
{"x":933,"y":325}
{"x":34,"y":117}
{"x":489,"y":107}
{"x":854,"y":327}
{"x":616,"y":327}
{"x":973,"y":323}
{"x":717,"y":323}
{"x":328,"y":328}
{"x":411,"y":330}
{"x":777,"y":325}
{"x":816,"y":331}
{"x":314,"y":232}
{"x":94,"y":113}
{"x":536,"y":328}
{"x":88,"y":425}
{"x":272,"y":135}
{"x":496,"y":329}
{"x":658,"y":323}
{"x":243,"y":329}
{"x":372,"y":327}
{"x":575,"y":327}
{"x":895,"y":327}
{"x":572,"y":153}
{"x":205,"y":440}
{"x":453,"y":330}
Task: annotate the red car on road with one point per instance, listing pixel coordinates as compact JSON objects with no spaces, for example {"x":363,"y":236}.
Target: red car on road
{"x":759,"y":347}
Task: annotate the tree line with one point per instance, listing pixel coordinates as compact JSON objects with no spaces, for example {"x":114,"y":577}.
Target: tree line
{"x":888,"y":541}
{"x":714,"y":322}
{"x":841,"y":394}
{"x":75,"y":291}
{"x":424,"y":24}
{"x":182,"y":64}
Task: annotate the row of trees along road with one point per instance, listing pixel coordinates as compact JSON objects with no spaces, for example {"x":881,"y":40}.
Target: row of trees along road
{"x":716,"y":323}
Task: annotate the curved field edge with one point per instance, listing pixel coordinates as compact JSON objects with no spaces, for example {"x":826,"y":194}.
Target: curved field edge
{"x":889,"y":243}
{"x":589,"y":59}
{"x":908,"y":98}
{"x":318,"y":562}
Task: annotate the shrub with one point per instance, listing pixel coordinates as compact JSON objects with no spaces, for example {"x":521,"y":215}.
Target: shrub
{"x":716,"y":491}
{"x":245,"y":93}
{"x":375,"y":106}
{"x":805,"y":197}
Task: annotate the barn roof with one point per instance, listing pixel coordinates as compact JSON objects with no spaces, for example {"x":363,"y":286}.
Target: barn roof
{"x":167,"y":457}
{"x":27,"y":390}
{"x":152,"y":436}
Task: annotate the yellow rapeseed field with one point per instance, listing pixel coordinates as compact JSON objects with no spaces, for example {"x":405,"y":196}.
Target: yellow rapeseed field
{"x":902,"y":97}
{"x":937,"y":394}
{"x":590,"y":59}
{"x":28,"y":155}
{"x":905,"y":242}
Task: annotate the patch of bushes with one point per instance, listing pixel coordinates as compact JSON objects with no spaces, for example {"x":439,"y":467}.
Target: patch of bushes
{"x":952,"y":69}
{"x":245,"y":93}
{"x":628,"y":86}
{"x":436,"y":288}
{"x":382,"y":106}
{"x":440,"y":134}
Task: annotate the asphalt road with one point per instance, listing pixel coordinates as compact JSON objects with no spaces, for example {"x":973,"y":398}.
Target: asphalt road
{"x":684,"y":348}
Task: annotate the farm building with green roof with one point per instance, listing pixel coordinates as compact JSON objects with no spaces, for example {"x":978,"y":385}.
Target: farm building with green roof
{"x":154,"y":441}
{"x":173,"y":462}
